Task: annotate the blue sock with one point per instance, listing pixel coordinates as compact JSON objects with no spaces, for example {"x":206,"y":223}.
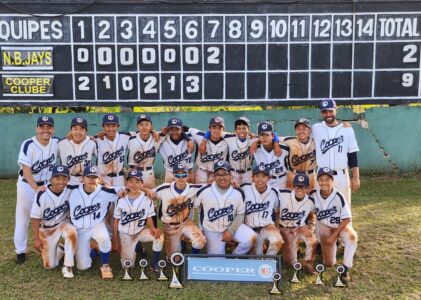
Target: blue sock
{"x":93,"y":253}
{"x":195,"y":250}
{"x":155,"y":258}
{"x":105,"y":257}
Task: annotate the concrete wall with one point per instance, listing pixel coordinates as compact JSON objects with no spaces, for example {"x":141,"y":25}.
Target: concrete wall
{"x":389,"y":138}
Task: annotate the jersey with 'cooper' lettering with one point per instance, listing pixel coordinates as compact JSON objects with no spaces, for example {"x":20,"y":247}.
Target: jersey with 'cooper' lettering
{"x":76,"y":156}
{"x":294,"y":213}
{"x":111,"y":153}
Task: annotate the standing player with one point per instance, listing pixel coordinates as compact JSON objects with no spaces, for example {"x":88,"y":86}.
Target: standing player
{"x":50,"y":222}
{"x":88,"y":208}
{"x":176,"y":204}
{"x":334,"y":218}
{"x":336,"y":148}
{"x":132,"y":213}
{"x":223,"y":213}
{"x":295,"y":207}
{"x":37,"y":157}
{"x":77,"y":153}
{"x":261,"y":203}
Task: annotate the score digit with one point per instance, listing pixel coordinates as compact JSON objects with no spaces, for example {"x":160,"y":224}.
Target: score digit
{"x":407,"y":79}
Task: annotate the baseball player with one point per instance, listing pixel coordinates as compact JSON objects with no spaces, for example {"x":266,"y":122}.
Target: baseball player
{"x":295,"y":207}
{"x":266,"y":156}
{"x":132,"y":213}
{"x":175,"y":209}
{"x":50,"y":222}
{"x":37,"y":157}
{"x":334,"y":218}
{"x":223,"y":212}
{"x":261,"y":201}
{"x":88,"y":209}
{"x":78,"y":152}
{"x":336,"y":148}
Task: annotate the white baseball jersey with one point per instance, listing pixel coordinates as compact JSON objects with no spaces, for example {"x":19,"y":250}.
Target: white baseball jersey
{"x":239,"y":152}
{"x":218,"y":210}
{"x":173,"y":153}
{"x":333,"y":144}
{"x":40,"y":158}
{"x":175,"y":207}
{"x":143,"y":153}
{"x":260,"y":207}
{"x":111,"y":154}
{"x":332,"y":210}
{"x":87,"y":210}
{"x":277,"y":165}
{"x":214,"y":151}
{"x":133,"y":215}
{"x":50,"y":208}
{"x":294,"y":213}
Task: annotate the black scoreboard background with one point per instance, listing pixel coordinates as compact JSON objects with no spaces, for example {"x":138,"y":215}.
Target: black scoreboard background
{"x":147,"y":54}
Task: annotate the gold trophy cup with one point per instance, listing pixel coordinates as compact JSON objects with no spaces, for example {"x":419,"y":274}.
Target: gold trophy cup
{"x":297,"y":267}
{"x":177,"y":259}
{"x":126,"y":266}
{"x":162,"y":264}
{"x":319,"y":268}
{"x":143,"y":263}
{"x":276,"y":278}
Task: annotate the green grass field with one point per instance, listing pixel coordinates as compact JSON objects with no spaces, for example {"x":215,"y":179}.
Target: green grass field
{"x":387,"y":217}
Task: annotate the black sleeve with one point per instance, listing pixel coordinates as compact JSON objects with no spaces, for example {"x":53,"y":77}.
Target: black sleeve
{"x":352,"y":160}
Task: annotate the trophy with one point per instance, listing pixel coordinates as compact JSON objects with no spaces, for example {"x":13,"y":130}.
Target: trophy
{"x":143,"y":263}
{"x":162,"y":264}
{"x":177,"y":259}
{"x":126,"y":266}
{"x":276,"y":278}
{"x":319,"y":268}
{"x":297,"y":267}
{"x":340,"y":270}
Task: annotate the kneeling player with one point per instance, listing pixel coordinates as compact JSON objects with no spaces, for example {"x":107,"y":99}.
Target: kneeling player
{"x":334,"y":217}
{"x":295,"y":207}
{"x":223,"y":213}
{"x":50,"y":222}
{"x":132,"y":213}
{"x":261,"y":203}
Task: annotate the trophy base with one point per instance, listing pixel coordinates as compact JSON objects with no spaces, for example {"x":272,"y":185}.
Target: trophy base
{"x":319,"y":282}
{"x":144,"y":278}
{"x":176,"y":286}
{"x":275,"y":292}
{"x":339,"y":283}
{"x":295,"y":280}
{"x":126,"y":279}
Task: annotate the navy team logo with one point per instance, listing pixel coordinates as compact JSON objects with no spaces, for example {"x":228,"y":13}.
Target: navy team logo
{"x":218,"y":120}
{"x":110,"y":118}
{"x":133,"y":172}
{"x":300,"y":178}
{"x":326,"y":170}
{"x":325,"y":103}
{"x":79,"y":120}
{"x":180,"y":166}
{"x":60,"y":169}
{"x":142,"y":116}
{"x":262,"y":168}
{"x":220,"y":163}
{"x":174,"y":121}
{"x":92,"y":169}
{"x":45,"y":119}
{"x":265,"y":126}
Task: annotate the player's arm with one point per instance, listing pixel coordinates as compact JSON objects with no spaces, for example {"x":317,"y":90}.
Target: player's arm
{"x":156,"y":233}
{"x":116,"y":246}
{"x":334,"y":236}
{"x":355,"y":171}
{"x":35,"y":229}
{"x":229,"y":233}
{"x":27,"y":174}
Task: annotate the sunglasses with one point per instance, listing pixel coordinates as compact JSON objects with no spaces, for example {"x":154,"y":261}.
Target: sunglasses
{"x":181,"y":175}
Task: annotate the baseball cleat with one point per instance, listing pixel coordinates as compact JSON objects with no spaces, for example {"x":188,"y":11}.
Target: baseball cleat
{"x":345,"y":277}
{"x":20,"y":258}
{"x":106,"y":272}
{"x":67,"y":272}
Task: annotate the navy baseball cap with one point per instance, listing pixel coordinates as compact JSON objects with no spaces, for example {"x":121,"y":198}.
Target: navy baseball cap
{"x":136,"y":173}
{"x":175,"y":122}
{"x":302,"y":121}
{"x":217,"y":121}
{"x":221,"y":165}
{"x":45,"y":120}
{"x":301,"y":179}
{"x":143,"y":117}
{"x":60,"y":170}
{"x":110,"y":119}
{"x":265,"y":127}
{"x":261,"y":169}
{"x":327,"y":104}
{"x":91,"y":171}
{"x":242,"y":120}
{"x":79,"y":121}
{"x":179,"y":167}
{"x":325,"y":171}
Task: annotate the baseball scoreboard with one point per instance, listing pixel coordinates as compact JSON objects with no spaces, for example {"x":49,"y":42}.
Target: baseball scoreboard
{"x":211,"y":54}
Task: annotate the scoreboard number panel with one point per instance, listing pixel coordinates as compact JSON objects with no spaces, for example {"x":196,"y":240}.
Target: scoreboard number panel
{"x":210,"y":58}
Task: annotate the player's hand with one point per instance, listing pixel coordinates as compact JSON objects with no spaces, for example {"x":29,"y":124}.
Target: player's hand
{"x":347,"y":124}
{"x":252,"y":135}
{"x":69,"y":136}
{"x":41,"y":188}
{"x":202,"y":147}
{"x":164,"y":130}
{"x":190,"y":146}
{"x":277,"y":149}
{"x":156,"y":233}
{"x":150,"y":193}
{"x":253,"y":147}
{"x":101,"y":135}
{"x":234,"y":184}
{"x":227,"y":236}
{"x":355,"y":184}
{"x":155,"y":135}
{"x":38,"y":245}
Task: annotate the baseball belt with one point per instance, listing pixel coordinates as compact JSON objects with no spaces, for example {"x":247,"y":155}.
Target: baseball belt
{"x":338,"y":172}
{"x":142,"y":168}
{"x":174,"y":224}
{"x":76,"y":175}
{"x":277,"y":177}
{"x":46,"y":227}
{"x":306,"y":172}
{"x":241,"y":171}
{"x":289,"y":227}
{"x":258,"y":229}
{"x":39,"y":183}
{"x":121,"y":173}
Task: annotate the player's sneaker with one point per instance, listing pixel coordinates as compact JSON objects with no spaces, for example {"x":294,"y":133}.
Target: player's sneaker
{"x":106,"y":272}
{"x":345,"y":277}
{"x":67,"y":272}
{"x":20,"y":258}
{"x":155,"y":269}
{"x":309,"y":268}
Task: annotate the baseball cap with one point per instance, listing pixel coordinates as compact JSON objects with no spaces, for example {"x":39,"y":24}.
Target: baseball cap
{"x":175,"y":122}
{"x":302,"y":121}
{"x":325,"y":171}
{"x":261,"y":169}
{"x":136,"y":173}
{"x":242,"y":120}
{"x":110,"y":119}
{"x":327,"y":104}
{"x":221,"y":165}
{"x":179,"y":167}
{"x":91,"y":171}
{"x":265,"y":127}
{"x":217,"y":121}
{"x":45,"y":120}
{"x":143,"y":117}
{"x":301,"y":179}
{"x":60,"y":170}
{"x":79,"y":121}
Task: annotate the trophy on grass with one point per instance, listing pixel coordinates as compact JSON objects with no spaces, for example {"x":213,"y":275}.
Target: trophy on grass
{"x":177,"y":259}
{"x":126,"y":266}
{"x":297,"y":267}
{"x":319,"y":268}
{"x":162,"y":264}
{"x":276,"y":278}
{"x":340,"y":270}
{"x":143,"y":263}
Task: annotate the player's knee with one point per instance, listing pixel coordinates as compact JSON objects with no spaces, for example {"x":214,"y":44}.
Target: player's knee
{"x":199,"y":242}
{"x":104,"y":243}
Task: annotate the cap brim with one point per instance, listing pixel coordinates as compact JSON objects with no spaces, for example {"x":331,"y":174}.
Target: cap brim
{"x":269,"y":132}
{"x":301,"y":184}
{"x":263,"y":172}
{"x":331,"y":176}
{"x":223,"y":168}
{"x":58,"y":174}
{"x":177,"y":126}
{"x":307,"y":125}
{"x":140,"y":179}
{"x":48,"y":123}
{"x":144,"y":119}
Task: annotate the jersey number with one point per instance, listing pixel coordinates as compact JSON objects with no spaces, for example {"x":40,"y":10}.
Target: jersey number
{"x":335,"y":220}
{"x":141,"y":223}
{"x":265,"y":214}
{"x":97,"y":215}
{"x":230,"y":218}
